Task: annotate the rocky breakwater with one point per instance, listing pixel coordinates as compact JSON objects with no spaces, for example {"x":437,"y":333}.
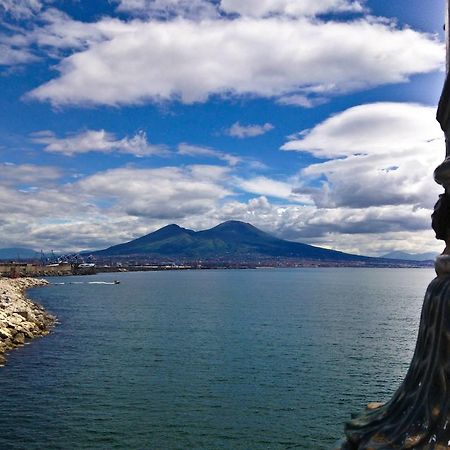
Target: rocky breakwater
{"x":20,"y":318}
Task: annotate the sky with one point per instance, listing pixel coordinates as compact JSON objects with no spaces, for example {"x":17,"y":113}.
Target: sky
{"x":314,"y":120}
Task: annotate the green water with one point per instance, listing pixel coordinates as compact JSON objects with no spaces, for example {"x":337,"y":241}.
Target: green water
{"x":249,"y":359}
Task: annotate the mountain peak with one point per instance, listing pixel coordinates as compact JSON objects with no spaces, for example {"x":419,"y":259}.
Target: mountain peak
{"x":237,"y":231}
{"x":232,"y":240}
{"x":170,"y":230}
{"x":235,"y":225}
{"x":171,"y":226}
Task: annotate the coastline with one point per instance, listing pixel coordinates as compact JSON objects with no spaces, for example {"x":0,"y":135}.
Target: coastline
{"x":21,"y":320}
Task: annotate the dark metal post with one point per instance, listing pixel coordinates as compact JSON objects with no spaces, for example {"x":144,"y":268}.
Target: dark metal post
{"x":418,"y":414}
{"x":447,"y":33}
{"x":441,"y":215}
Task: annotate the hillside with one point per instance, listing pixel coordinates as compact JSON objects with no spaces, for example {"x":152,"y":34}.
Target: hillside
{"x":16,"y":253}
{"x":430,"y":256}
{"x":232,"y":240}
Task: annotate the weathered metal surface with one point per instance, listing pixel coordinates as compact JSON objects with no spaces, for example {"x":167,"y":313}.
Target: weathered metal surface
{"x":418,"y":415}
{"x":447,"y":33}
{"x":441,"y":214}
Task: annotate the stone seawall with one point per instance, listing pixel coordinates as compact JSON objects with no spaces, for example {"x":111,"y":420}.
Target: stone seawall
{"x":14,"y":270}
{"x":20,"y":319}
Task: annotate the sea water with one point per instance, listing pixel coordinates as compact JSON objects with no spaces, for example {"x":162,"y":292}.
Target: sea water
{"x":213,"y":359}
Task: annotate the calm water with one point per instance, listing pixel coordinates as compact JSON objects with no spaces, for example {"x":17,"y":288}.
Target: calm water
{"x":211,"y":359}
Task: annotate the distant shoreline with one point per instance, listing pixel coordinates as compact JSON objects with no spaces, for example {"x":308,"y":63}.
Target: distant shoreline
{"x":245,"y":266}
{"x":32,"y":269}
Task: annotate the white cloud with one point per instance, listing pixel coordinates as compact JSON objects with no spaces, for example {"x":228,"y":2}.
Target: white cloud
{"x":266,"y":186}
{"x":117,"y":205}
{"x":192,"y":9}
{"x":200,"y":9}
{"x":369,"y":231}
{"x":370,"y":128}
{"x":61,"y":32}
{"x":294,"y":8}
{"x":97,"y":141}
{"x":273,"y":188}
{"x":26,"y":174}
{"x":246,"y":131}
{"x":301,"y":100}
{"x":107,"y":207}
{"x":164,"y":193}
{"x":372,"y":194}
{"x":195,"y":150}
{"x":10,"y":56}
{"x":55,"y":35}
{"x":137,"y":61}
{"x":20,"y":8}
{"x":382,"y":154}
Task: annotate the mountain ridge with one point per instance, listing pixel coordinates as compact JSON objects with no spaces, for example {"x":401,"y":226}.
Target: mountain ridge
{"x":17,"y":253}
{"x":232,"y":240}
{"x":429,"y":256}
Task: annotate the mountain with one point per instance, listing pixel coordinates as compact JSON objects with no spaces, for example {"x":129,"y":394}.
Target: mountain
{"x":411,"y":256}
{"x":17,"y":252}
{"x":169,"y":240}
{"x":230,"y":241}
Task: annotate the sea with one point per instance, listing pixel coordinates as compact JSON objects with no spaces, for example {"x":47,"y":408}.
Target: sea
{"x":210,"y":359}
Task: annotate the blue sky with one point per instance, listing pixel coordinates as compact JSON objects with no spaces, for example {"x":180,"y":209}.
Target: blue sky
{"x":311,"y":119}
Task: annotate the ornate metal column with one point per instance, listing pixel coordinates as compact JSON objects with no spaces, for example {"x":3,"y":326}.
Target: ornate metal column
{"x":418,"y":414}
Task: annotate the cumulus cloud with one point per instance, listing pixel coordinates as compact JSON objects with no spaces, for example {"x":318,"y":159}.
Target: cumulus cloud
{"x":53,"y":34}
{"x":97,"y":141}
{"x":294,"y":8}
{"x":140,"y":61}
{"x":301,"y":100}
{"x":370,"y":196}
{"x":58,"y":31}
{"x":369,"y":231}
{"x":107,"y":207}
{"x":359,"y":230}
{"x":20,"y":8}
{"x":10,"y":56}
{"x":26,"y":174}
{"x":371,"y":191}
{"x":192,"y":9}
{"x":23,"y":212}
{"x":164,"y":193}
{"x":273,"y":188}
{"x":199,"y":9}
{"x":117,"y":205}
{"x":246,"y":131}
{"x":369,"y":128}
{"x":195,"y":150}
{"x":381,"y":154}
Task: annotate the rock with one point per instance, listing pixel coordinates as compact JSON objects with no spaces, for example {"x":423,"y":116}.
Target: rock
{"x":5,"y":333}
{"x":20,"y":318}
{"x":19,"y":339}
{"x":374,"y":405}
{"x":24,"y":314}
{"x":8,"y":344}
{"x":29,"y":334}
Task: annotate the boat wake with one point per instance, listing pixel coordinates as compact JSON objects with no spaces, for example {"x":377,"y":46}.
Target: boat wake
{"x":89,"y":282}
